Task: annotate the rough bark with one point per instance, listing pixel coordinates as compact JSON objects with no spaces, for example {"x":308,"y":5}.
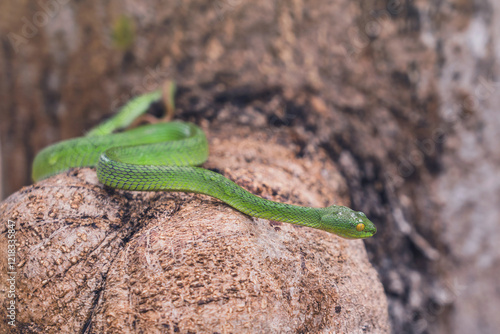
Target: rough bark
{"x":402,"y":94}
{"x":97,"y":260}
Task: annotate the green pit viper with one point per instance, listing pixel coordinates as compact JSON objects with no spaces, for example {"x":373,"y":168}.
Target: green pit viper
{"x":162,"y":156}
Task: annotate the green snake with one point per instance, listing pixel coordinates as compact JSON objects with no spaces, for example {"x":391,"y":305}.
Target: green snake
{"x":162,"y":156}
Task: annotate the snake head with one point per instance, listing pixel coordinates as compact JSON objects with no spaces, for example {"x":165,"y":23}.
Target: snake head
{"x":346,"y":223}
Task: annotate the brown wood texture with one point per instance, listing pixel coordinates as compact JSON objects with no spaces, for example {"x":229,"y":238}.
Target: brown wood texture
{"x":103,"y":261}
{"x":402,"y":95}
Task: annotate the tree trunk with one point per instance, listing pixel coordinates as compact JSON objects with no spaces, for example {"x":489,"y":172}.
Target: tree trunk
{"x":96,"y":260}
{"x":401,"y":95}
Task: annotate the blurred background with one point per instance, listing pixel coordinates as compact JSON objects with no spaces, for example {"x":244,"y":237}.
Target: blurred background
{"x":403,"y":95}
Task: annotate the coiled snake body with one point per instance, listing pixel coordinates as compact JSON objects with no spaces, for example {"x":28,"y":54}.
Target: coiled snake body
{"x":160,"y":157}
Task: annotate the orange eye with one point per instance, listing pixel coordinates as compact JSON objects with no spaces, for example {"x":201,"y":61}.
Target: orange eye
{"x":360,"y":227}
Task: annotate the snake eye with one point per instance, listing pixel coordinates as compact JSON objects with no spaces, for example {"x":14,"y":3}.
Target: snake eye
{"x":360,"y":227}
